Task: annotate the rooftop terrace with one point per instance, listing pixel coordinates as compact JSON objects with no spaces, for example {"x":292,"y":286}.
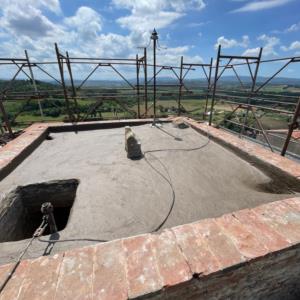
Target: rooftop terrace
{"x":185,"y":175}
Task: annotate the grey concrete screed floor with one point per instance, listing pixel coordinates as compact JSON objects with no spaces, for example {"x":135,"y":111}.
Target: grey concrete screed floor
{"x":118,"y":197}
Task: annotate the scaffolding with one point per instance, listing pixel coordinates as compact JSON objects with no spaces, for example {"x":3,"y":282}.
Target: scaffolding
{"x":250,"y":100}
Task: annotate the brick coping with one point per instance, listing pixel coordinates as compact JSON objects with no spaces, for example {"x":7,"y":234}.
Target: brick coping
{"x":160,"y":264}
{"x":249,"y":150}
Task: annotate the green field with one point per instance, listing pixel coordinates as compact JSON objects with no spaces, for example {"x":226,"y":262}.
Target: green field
{"x":122,"y":103}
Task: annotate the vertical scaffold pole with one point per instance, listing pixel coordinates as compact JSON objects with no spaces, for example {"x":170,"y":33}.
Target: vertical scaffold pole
{"x":138,"y":84}
{"x":180,"y":86}
{"x":215,"y":86}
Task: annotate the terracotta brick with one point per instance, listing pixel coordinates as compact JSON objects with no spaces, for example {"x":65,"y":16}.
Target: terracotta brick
{"x":263,"y":232}
{"x":245,"y":241}
{"x":219,"y":243}
{"x":142,"y":271}
{"x":41,"y":280}
{"x":171,"y":263}
{"x":195,"y":249}
{"x":76,"y":275}
{"x":294,"y":203}
{"x":4,"y":271}
{"x":15,"y":285}
{"x":109,"y":278}
{"x":282,"y":218}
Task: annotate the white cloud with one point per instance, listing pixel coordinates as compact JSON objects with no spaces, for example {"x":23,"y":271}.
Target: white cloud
{"x":146,"y":6}
{"x":145,"y":23}
{"x":293,"y":28}
{"x":28,"y":5}
{"x":145,"y":15}
{"x":171,"y":56}
{"x":251,"y":52}
{"x":26,"y":17}
{"x":25,"y":25}
{"x":230,"y":43}
{"x":86,"y":21}
{"x":196,"y":24}
{"x":261,"y":5}
{"x":269,"y":44}
{"x":293,"y":46}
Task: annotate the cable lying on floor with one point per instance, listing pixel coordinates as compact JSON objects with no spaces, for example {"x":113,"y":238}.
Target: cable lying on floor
{"x":168,"y":179}
{"x":71,"y":240}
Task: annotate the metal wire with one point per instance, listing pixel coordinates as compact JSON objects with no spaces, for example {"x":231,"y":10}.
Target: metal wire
{"x":39,"y":231}
{"x":168,"y":178}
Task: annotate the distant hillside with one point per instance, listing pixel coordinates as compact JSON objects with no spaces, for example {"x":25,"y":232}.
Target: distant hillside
{"x":201,"y":81}
{"x":25,"y":85}
{"x":276,"y":80}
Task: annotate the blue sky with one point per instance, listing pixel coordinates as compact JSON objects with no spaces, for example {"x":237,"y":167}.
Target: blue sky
{"x":115,"y":28}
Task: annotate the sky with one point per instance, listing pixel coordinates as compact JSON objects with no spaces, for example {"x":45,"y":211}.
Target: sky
{"x":116,"y":28}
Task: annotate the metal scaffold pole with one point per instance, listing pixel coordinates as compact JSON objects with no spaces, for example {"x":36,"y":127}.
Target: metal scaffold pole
{"x":215,"y":86}
{"x":34,"y":84}
{"x":138,"y":85}
{"x":145,"y":81}
{"x":180,"y":86}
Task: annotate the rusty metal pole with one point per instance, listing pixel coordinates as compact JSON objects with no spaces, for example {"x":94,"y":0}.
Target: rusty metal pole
{"x":154,"y":37}
{"x":292,"y":126}
{"x":180,"y":86}
{"x":74,"y":92}
{"x":145,"y":81}
{"x":215,"y":86}
{"x":34,"y":84}
{"x":61,"y":71}
{"x":5,"y":118}
{"x":208,"y":88}
{"x":138,"y":85}
{"x":252,"y":89}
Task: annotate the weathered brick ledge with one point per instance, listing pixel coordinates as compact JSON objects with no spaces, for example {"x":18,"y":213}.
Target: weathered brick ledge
{"x":249,"y":150}
{"x":252,"y":253}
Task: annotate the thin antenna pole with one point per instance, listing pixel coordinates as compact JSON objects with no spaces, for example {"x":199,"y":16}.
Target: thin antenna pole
{"x":154,"y":37}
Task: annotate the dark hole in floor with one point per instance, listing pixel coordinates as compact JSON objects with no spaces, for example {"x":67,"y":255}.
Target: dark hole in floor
{"x":61,"y":216}
{"x":20,"y":211}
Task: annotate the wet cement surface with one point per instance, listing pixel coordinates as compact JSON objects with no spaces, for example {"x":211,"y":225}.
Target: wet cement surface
{"x":118,"y":197}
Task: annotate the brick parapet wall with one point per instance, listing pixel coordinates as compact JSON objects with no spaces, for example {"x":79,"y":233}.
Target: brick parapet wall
{"x":251,"y":254}
{"x":249,"y":150}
